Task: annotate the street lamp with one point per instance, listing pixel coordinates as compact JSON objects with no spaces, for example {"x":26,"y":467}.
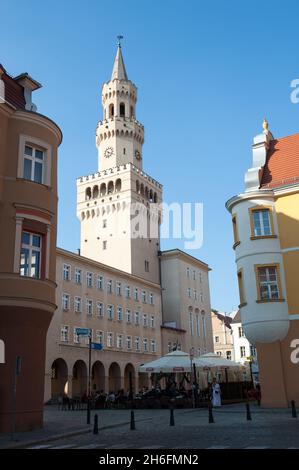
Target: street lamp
{"x":191,"y":374}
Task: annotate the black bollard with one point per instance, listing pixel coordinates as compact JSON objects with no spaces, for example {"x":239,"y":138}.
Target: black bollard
{"x":96,"y":425}
{"x":171,"y":421}
{"x":294,"y":411}
{"x":132,"y":424}
{"x":248,"y":413}
{"x":211,"y":417}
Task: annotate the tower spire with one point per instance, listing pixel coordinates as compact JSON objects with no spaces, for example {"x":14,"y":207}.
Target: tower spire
{"x":119,"y":69}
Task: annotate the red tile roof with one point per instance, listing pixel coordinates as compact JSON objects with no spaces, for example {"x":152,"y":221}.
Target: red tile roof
{"x":282,"y":165}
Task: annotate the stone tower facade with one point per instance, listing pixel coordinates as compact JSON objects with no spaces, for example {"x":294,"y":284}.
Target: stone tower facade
{"x":118,"y":206}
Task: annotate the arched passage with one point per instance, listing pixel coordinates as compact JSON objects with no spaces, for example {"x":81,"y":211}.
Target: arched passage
{"x":114,"y":377}
{"x":59,"y":383}
{"x":129,"y":370}
{"x":79,"y":382}
{"x":98,"y":376}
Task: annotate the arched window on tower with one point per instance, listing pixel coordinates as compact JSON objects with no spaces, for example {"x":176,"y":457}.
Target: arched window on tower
{"x":111,"y":110}
{"x":88,"y":193}
{"x":151,"y":196}
{"x":95,"y":191}
{"x":103,"y":189}
{"x":122,"y":109}
{"x":110,"y":187}
{"x":137,"y":187}
{"x":118,"y":185}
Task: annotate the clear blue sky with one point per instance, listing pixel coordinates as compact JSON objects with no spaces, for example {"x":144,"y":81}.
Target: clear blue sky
{"x":207,"y":73}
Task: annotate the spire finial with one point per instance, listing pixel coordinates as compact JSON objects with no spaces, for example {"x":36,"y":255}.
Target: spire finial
{"x":265,"y":124}
{"x":119,"y":38}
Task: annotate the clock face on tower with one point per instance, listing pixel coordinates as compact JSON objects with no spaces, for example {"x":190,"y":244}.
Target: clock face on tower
{"x":137,"y":154}
{"x":108,"y":152}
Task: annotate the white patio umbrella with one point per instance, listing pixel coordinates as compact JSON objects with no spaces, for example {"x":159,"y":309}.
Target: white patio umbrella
{"x":213,"y":360}
{"x":175,"y":361}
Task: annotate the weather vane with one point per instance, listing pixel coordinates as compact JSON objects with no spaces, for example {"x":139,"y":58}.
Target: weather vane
{"x":119,"y":38}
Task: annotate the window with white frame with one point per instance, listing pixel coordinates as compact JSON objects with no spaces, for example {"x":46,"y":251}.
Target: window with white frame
{"x":137,"y":343}
{"x":261,"y":223}
{"x":119,"y":313}
{"x":128,"y":292}
{"x":99,"y":337}
{"x":137,"y":318}
{"x":151,"y":298}
{"x":110,"y":339}
{"x":145,"y":345}
{"x":66,"y":272}
{"x":145,"y":319}
{"x":118,"y":288}
{"x":201,"y":297}
{"x":110,"y":312}
{"x":128,"y":315}
{"x":268,"y":283}
{"x":191,"y":328}
{"x":144,"y":296}
{"x":64,"y":333}
{"x":241,"y":333}
{"x":129,"y":342}
{"x":34,"y":162}
{"x":100,"y":282}
{"x":78,"y":304}
{"x":252,"y":350}
{"x":153,"y":345}
{"x":136,"y":294}
{"x":119,"y":341}
{"x":109,"y":286}
{"x":30,"y":262}
{"x":242,"y":351}
{"x":89,"y":279}
{"x":78,"y":275}
{"x":229,"y":355}
{"x":152,"y":321}
{"x":66,"y":299}
{"x":100,"y":309}
{"x":89,"y":306}
{"x":189,"y":292}
{"x":76,"y":336}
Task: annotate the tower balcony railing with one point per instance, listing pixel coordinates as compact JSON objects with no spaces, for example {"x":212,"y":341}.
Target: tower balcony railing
{"x":116,"y":118}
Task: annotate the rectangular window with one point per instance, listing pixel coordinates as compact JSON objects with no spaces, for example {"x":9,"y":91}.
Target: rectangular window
{"x":242,"y":351}
{"x":252,"y":350}
{"x":118,"y":288}
{"x":268,"y":283}
{"x":99,"y":337}
{"x":109,"y":286}
{"x":151,"y":299}
{"x":188,"y":272}
{"x":152,"y":321}
{"x":197,"y":325}
{"x":229,"y":355}
{"x":104,"y":223}
{"x":136,"y":294}
{"x":89,"y":307}
{"x":218,"y":353}
{"x":78,"y":275}
{"x":129,"y":342}
{"x":153,"y":346}
{"x":144,"y":296}
{"x":34,"y":160}
{"x":110,"y":312}
{"x":64,"y":333}
{"x":204,"y":325}
{"x":137,"y":343}
{"x":191,"y":323}
{"x":66,"y":272}
{"x":189,"y":292}
{"x":195,"y":294}
{"x":66,"y":301}
{"x":241,"y":287}
{"x":144,"y":319}
{"x":119,"y":313}
{"x":262,"y":223}
{"x":128,"y":315}
{"x":194,"y":275}
{"x":110,"y":340}
{"x":100,"y":309}
{"x":235,"y":231}
{"x":104,"y":245}
{"x":30,"y":264}
{"x":216,"y":339}
{"x":100,"y":282}
{"x":201,"y":297}
{"x":200,"y":277}
{"x":241,"y":334}
{"x":89,"y":279}
{"x":137,"y":318}
{"x":76,"y":337}
{"x":119,"y":341}
{"x":78,"y":304}
{"x":146,"y":266}
{"x":145,"y":345}
{"x":128,"y":292}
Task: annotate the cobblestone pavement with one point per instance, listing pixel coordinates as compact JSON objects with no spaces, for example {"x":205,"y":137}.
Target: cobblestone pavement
{"x":267,"y":429}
